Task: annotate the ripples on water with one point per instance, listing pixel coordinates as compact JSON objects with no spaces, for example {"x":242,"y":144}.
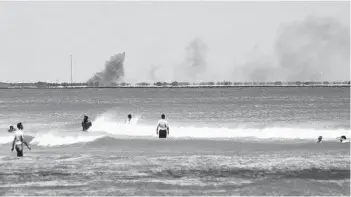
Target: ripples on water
{"x":149,"y":174}
{"x":109,"y":166}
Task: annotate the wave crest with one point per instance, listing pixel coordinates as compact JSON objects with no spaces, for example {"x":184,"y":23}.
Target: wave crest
{"x":106,"y":125}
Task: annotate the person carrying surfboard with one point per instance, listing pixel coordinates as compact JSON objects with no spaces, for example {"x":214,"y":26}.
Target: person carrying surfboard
{"x":18,"y":141}
{"x":162,"y":129}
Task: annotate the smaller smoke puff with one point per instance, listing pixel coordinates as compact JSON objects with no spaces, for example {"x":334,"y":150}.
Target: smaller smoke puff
{"x":195,"y":62}
{"x":113,"y":72}
{"x":196,"y":54}
{"x":152,"y":73}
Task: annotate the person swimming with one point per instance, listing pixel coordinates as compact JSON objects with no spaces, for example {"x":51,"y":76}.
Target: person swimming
{"x":162,"y":129}
{"x":319,"y":139}
{"x":86,"y":124}
{"x":128,"y":121}
{"x":12,"y":129}
{"x":342,"y":138}
{"x":18,"y":141}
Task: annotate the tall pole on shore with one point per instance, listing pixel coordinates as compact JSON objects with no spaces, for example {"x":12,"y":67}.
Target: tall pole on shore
{"x":71,"y":70}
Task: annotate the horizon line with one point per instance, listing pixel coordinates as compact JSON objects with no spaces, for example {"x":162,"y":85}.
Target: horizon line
{"x":190,"y":82}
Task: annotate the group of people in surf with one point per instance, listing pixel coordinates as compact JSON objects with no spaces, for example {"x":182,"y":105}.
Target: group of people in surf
{"x":162,"y":128}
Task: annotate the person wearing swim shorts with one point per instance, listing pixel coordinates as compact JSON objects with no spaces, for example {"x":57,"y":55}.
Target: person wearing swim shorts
{"x":162,"y":129}
{"x":18,"y":141}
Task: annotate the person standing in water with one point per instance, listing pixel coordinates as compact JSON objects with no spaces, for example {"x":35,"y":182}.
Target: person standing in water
{"x":18,"y":141}
{"x":86,"y":124}
{"x":162,"y":129}
{"x":128,"y":121}
{"x":319,"y":140}
{"x":12,"y":129}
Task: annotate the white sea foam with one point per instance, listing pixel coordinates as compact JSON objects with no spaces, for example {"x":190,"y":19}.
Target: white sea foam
{"x":106,"y":126}
{"x":59,"y":139}
{"x":6,"y":139}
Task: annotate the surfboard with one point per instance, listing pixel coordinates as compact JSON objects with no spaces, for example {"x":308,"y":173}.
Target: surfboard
{"x":346,"y":141}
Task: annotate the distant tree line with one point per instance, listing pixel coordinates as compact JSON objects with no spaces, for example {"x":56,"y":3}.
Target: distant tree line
{"x":41,"y":84}
{"x":228,"y":83}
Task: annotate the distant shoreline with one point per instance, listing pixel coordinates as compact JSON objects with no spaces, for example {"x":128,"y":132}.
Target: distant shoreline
{"x":170,"y":86}
{"x":174,"y":84}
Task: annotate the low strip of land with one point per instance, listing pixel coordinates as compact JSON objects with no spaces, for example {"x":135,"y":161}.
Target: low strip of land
{"x":44,"y":85}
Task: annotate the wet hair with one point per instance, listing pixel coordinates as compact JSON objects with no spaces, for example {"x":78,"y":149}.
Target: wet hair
{"x":19,"y":125}
{"x":129,"y":116}
{"x":11,"y":127}
{"x":343,"y":137}
{"x":163,"y":116}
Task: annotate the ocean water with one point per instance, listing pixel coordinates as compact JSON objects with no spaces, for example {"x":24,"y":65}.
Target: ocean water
{"x":223,"y":141}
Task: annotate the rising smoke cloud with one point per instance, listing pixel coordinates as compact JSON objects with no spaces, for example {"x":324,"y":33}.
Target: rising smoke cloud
{"x":195,"y":62}
{"x":316,"y":49}
{"x":152,"y":73}
{"x":113,"y":72}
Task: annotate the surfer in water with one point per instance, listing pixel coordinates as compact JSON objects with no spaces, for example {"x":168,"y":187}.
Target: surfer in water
{"x":18,"y":141}
{"x":12,"y":129}
{"x":341,"y":139}
{"x":162,"y":129}
{"x":86,"y":124}
{"x":319,"y":139}
{"x":128,"y":121}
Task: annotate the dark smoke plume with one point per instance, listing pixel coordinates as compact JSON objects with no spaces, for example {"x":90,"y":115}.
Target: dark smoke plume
{"x":113,"y":72}
{"x":195,"y":61}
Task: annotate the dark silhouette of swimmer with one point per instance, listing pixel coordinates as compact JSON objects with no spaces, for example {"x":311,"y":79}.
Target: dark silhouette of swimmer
{"x":162,"y":129}
{"x":86,"y":124}
{"x":12,"y":129}
{"x":342,"y":138}
{"x":129,"y":119}
{"x":319,"y":139}
{"x":18,"y":141}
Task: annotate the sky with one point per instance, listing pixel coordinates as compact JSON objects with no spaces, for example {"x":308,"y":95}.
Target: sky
{"x":165,"y":41}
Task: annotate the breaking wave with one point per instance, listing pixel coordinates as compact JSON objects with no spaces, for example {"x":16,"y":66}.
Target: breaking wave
{"x":105,"y":126}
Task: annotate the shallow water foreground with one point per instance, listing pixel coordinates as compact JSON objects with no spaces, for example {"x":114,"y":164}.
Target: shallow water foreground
{"x":178,"y":167}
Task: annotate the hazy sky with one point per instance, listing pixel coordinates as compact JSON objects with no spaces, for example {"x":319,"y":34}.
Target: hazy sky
{"x":37,"y":38}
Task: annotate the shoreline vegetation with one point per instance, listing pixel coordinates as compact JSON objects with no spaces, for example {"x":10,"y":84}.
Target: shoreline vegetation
{"x":174,"y":84}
